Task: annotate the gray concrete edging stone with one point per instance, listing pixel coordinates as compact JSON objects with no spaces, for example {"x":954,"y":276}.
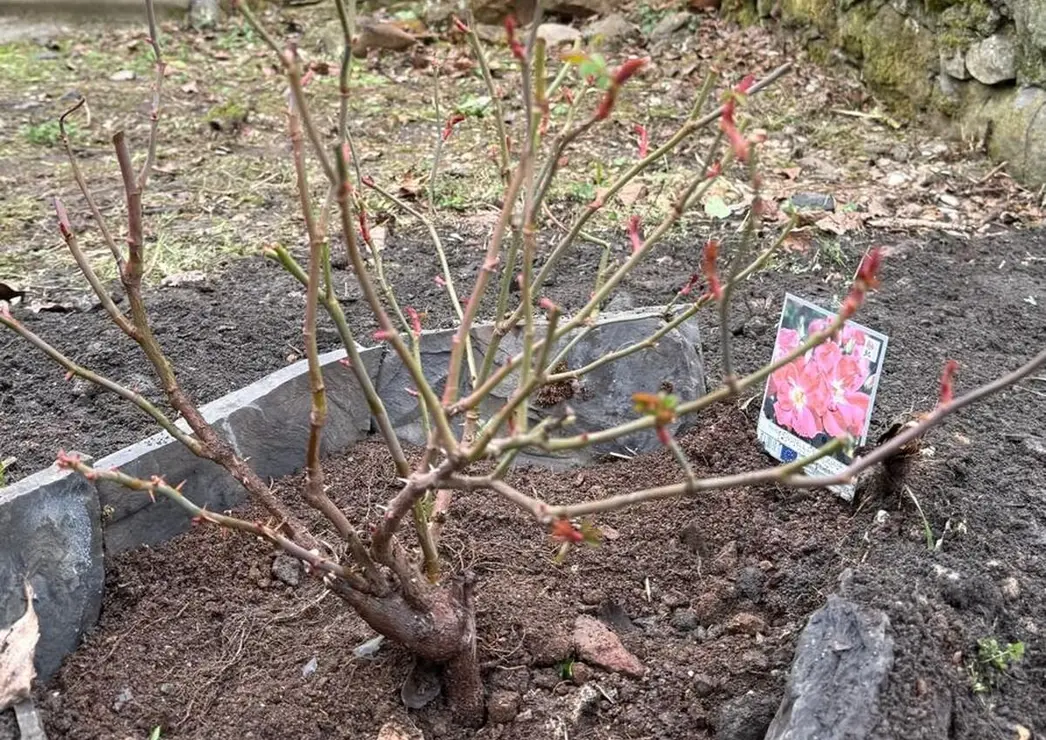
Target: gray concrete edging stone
{"x":56,"y":526}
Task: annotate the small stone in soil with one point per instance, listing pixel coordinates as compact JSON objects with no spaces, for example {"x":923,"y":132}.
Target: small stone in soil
{"x":613,"y":614}
{"x":1011,"y":588}
{"x":287,"y":569}
{"x":546,"y":679}
{"x":707,"y":607}
{"x":755,"y":661}
{"x":684,"y":620}
{"x":502,"y":707}
{"x":587,"y":698}
{"x":690,"y":537}
{"x":704,"y":684}
{"x":726,"y":559}
{"x":581,"y":673}
{"x":674,"y":599}
{"x":514,"y":679}
{"x":597,"y":644}
{"x":549,"y":648}
{"x":745,"y":717}
{"x":124,"y":698}
{"x":746,"y":623}
{"x":592,"y":597}
{"x":750,"y":583}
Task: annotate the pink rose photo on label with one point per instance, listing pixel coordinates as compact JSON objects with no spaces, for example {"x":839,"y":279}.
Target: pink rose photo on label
{"x":823,"y":393}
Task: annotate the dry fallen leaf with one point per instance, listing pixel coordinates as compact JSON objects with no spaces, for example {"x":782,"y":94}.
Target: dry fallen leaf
{"x":841,"y":222}
{"x":631,"y":193}
{"x":17,"y":646}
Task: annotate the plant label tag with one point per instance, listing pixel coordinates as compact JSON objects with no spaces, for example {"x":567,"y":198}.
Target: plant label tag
{"x":827,"y":392}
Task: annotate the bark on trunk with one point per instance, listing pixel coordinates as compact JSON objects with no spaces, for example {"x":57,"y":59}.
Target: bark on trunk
{"x":442,"y":630}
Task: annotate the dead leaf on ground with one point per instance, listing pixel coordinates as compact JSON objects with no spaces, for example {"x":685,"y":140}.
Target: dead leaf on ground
{"x":797,"y":241}
{"x":791,"y":173}
{"x":842,"y":222}
{"x":631,"y":193}
{"x":17,"y":647}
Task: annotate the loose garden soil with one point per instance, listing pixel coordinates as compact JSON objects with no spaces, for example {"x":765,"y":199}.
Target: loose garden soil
{"x":710,"y":593}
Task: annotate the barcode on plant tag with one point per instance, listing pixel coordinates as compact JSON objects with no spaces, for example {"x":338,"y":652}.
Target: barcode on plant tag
{"x":771,"y":445}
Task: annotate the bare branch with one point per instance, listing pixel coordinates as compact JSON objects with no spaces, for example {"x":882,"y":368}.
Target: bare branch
{"x":355,"y":360}
{"x":154,"y":113}
{"x":101,"y":381}
{"x":315,"y":493}
{"x":387,"y":331}
{"x":158,"y":486}
{"x":78,"y":175}
{"x":66,"y":229}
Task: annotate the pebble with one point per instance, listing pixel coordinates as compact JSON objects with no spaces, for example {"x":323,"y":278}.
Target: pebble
{"x":123,"y":698}
{"x":746,"y":623}
{"x":1011,"y":588}
{"x":684,"y":620}
{"x":502,"y":707}
{"x":287,"y":569}
{"x":704,"y":684}
{"x":750,"y":583}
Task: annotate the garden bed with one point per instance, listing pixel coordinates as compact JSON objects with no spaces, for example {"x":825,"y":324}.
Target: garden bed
{"x":209,"y":645}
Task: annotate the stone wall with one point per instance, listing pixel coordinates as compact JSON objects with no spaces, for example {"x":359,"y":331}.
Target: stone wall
{"x":980,"y":63}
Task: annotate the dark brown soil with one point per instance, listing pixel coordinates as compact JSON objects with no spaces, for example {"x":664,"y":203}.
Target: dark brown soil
{"x":208,"y":645}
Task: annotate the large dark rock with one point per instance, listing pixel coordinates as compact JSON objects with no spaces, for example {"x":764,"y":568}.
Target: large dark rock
{"x":843,"y":658}
{"x":50,"y":533}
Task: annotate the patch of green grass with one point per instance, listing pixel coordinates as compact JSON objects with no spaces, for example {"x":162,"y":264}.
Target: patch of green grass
{"x":5,"y":463}
{"x":20,"y":61}
{"x":237,"y":37}
{"x":46,"y":133}
{"x":992,"y":661}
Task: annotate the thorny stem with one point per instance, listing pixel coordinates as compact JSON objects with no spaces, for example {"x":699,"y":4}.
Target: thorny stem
{"x":693,"y":191}
{"x":518,"y":398}
{"x":490,"y":263}
{"x":786,"y":475}
{"x":492,"y":381}
{"x":677,"y":320}
{"x":315,"y":493}
{"x":107,"y":235}
{"x":498,"y":446}
{"x":379,"y":273}
{"x":126,"y":393}
{"x":725,"y":336}
{"x":85,"y":267}
{"x":532,"y":117}
{"x":356,"y":364}
{"x":390,"y":334}
{"x":488,"y":80}
{"x":289,"y":62}
{"x":680,"y":456}
{"x":690,"y":126}
{"x":158,"y":486}
{"x":441,"y":253}
{"x":508,"y":273}
{"x":154,"y":112}
{"x":438,"y":150}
